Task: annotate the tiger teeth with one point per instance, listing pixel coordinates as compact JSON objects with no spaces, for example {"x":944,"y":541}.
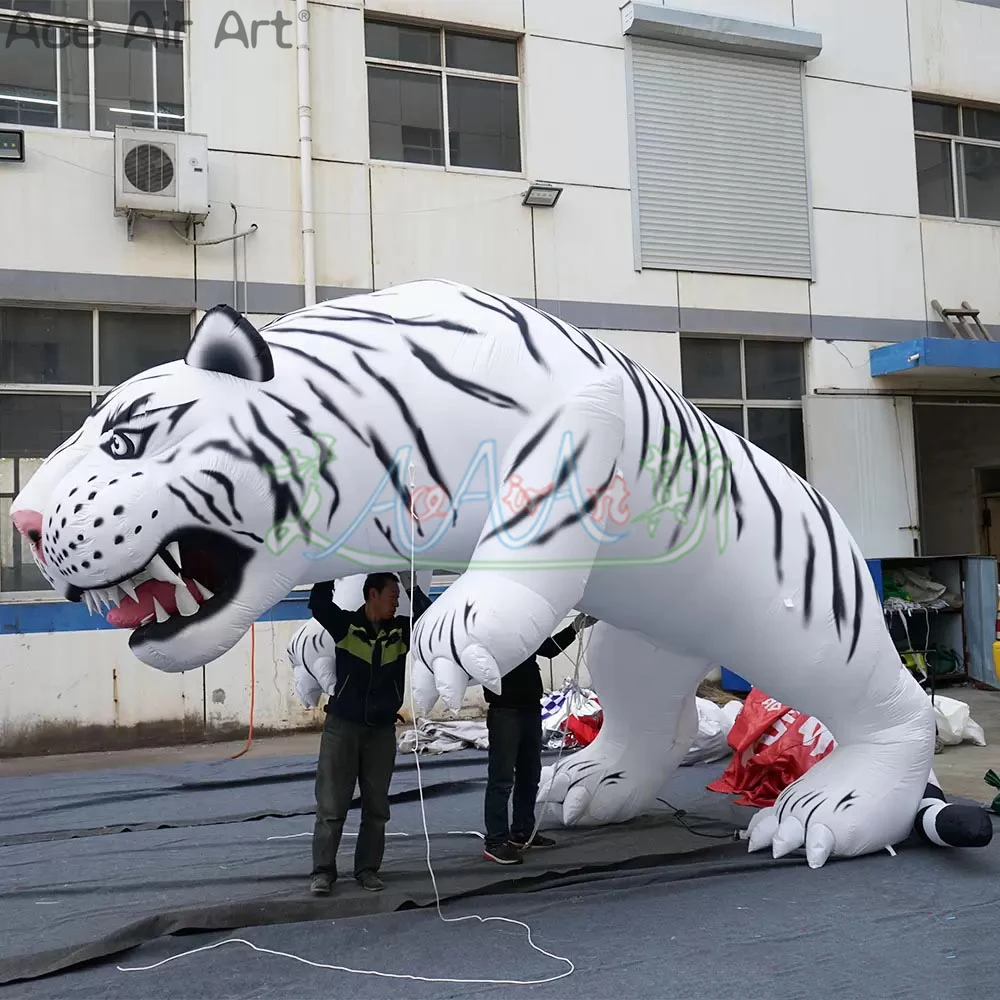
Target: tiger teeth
{"x":186,"y":604}
{"x":206,"y":594}
{"x":161,"y":571}
{"x":175,"y":553}
{"x":129,"y":587}
{"x":161,"y":614}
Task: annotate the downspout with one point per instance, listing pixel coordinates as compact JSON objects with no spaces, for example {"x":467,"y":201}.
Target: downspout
{"x":305,"y":153}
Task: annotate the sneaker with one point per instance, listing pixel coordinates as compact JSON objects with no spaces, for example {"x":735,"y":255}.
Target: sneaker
{"x":537,"y":841}
{"x":503,"y":854}
{"x":321,"y":884}
{"x":370,"y":881}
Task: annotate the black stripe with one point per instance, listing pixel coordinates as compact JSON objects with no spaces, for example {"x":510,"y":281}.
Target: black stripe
{"x":209,"y":502}
{"x":281,"y":493}
{"x":579,"y":513}
{"x":515,"y":316}
{"x":328,"y":404}
{"x":775,"y":507}
{"x":220,"y":444}
{"x":418,"y":434}
{"x":402,"y":491}
{"x":480,"y":392}
{"x":342,"y":338}
{"x":626,"y":365}
{"x":531,"y":445}
{"x":177,"y":493}
{"x":278,"y":443}
{"x":227,"y":484}
{"x":564,"y":329}
{"x":329,"y":369}
{"x":665,"y":444}
{"x":858,"y":599}
{"x":839,"y":602}
{"x":454,"y":644}
{"x":810,"y":568}
{"x":387,"y":535}
{"x":533,"y":504}
{"x":178,"y":412}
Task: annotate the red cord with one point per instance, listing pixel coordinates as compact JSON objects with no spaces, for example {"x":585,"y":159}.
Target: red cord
{"x":253,"y":688}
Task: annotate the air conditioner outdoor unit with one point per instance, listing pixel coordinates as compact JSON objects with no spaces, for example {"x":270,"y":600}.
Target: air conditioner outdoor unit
{"x":161,"y":174}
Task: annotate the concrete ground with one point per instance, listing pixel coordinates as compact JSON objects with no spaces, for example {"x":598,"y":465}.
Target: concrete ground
{"x":960,"y":769}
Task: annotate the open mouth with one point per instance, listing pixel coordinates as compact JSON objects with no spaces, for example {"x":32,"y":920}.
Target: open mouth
{"x":195,"y":573}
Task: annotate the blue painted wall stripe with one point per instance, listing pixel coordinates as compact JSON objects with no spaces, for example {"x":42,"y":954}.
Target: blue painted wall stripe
{"x":64,"y":616}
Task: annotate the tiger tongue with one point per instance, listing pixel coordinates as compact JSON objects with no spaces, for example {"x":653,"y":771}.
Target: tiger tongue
{"x":172,"y":599}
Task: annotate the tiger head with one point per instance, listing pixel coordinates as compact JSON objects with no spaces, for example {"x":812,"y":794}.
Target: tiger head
{"x":160,"y":511}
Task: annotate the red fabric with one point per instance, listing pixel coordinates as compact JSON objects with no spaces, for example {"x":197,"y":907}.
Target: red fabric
{"x":773,"y":746}
{"x":584,"y":729}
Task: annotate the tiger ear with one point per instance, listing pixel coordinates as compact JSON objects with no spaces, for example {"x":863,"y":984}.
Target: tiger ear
{"x":228,"y":343}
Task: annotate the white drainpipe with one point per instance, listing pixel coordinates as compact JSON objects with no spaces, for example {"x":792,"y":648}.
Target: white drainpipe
{"x":305,"y":152}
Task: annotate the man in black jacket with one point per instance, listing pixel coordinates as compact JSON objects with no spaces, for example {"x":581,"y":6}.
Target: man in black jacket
{"x":359,"y":736}
{"x":514,"y":725}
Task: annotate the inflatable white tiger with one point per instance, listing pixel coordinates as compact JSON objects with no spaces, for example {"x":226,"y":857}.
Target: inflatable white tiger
{"x":553,"y":472}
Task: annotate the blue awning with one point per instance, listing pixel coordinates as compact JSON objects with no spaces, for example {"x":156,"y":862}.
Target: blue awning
{"x":936,"y":356}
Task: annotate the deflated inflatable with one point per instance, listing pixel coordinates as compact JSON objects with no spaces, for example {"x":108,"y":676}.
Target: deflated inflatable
{"x":553,"y":472}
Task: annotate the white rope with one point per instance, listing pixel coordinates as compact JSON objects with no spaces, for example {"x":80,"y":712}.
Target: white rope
{"x":430,"y":867}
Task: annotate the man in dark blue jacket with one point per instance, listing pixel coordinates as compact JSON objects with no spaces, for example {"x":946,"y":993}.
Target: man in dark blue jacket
{"x":358,"y":745}
{"x":514,"y":725}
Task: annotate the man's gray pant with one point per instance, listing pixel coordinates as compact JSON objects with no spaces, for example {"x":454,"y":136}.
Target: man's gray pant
{"x":351,"y":754}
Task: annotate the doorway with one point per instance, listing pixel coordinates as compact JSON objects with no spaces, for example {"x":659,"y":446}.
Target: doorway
{"x":988,"y":490}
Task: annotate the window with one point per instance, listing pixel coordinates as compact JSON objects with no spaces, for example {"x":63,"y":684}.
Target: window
{"x":958,"y":160}
{"x":752,"y":387}
{"x":55,"y":364}
{"x":126,"y":67}
{"x":425,"y":84}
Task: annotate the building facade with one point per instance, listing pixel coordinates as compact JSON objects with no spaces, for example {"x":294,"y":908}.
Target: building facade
{"x":755,"y":195}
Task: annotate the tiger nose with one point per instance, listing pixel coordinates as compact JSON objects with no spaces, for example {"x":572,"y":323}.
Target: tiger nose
{"x":29,"y":524}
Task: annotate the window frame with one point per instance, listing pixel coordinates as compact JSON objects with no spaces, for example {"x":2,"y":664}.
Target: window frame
{"x":114,"y":28}
{"x":954,"y":141}
{"x":442,"y":71}
{"x":745,"y":403}
{"x":92,"y":391}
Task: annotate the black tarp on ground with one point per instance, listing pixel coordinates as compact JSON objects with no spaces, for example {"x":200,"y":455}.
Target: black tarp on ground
{"x":91,"y":864}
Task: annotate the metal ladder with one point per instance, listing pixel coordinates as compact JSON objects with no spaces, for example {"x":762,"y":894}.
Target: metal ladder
{"x":964,"y":323}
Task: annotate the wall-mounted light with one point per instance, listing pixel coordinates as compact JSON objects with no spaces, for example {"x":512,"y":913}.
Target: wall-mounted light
{"x":12,"y":144}
{"x":541,"y":196}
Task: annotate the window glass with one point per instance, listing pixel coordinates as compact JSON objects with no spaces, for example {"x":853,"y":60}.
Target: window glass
{"x":980,"y":189}
{"x":161,"y":15}
{"x":46,"y":346}
{"x":170,"y":85}
{"x":130,"y":343}
{"x":76,"y":9}
{"x":405,"y":116}
{"x":123,"y":82}
{"x":710,"y":368}
{"x":32,"y":426}
{"x":780,"y":433}
{"x":28,"y":83}
{"x":774,"y":370}
{"x":483,"y":55}
{"x":730,"y":417}
{"x":483,"y":126}
{"x":931,"y":117}
{"x":978,"y":123}
{"x":402,"y":43}
{"x":934,"y":190}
